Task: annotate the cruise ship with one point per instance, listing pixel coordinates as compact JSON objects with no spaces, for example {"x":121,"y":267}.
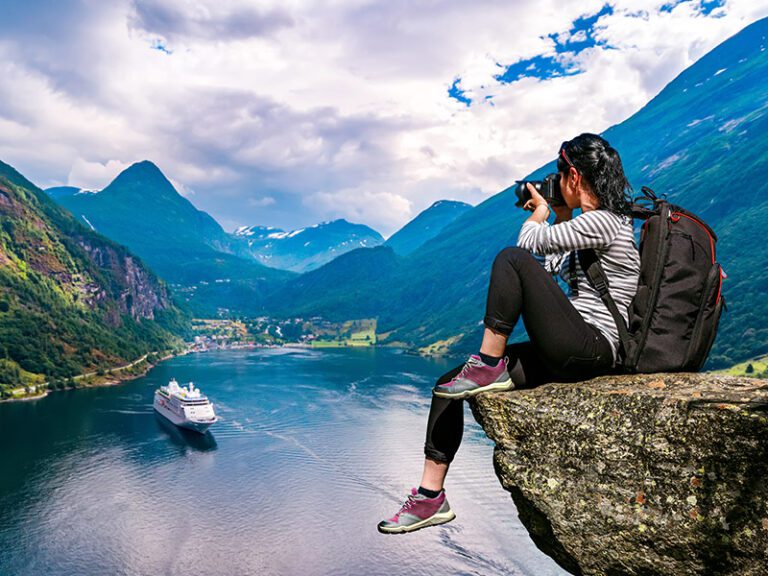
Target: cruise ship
{"x":185,"y":406}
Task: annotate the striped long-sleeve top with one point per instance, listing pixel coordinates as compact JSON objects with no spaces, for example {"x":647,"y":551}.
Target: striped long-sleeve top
{"x":612,"y":238}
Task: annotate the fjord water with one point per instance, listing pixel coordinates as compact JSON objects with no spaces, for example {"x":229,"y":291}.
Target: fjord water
{"x":312,"y":449}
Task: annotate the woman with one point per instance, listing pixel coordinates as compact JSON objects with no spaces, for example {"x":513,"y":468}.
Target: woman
{"x":572,"y":337}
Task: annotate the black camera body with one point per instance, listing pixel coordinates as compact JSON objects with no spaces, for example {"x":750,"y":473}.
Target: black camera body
{"x":549,"y":188}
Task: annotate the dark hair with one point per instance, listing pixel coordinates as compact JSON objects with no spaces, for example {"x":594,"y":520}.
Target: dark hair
{"x":595,"y":159}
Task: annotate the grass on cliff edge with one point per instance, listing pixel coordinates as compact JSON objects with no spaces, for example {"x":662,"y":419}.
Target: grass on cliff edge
{"x":759,"y":368}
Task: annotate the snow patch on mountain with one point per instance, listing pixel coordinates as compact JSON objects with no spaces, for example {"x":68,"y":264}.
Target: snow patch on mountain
{"x":306,"y":248}
{"x":88,"y":222}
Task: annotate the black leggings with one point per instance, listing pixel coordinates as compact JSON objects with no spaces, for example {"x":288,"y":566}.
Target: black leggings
{"x":563,"y":347}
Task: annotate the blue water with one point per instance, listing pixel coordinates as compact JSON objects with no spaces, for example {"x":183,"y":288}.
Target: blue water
{"x":312,"y":449}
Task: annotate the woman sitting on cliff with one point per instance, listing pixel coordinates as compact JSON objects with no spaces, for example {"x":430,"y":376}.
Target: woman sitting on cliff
{"x":572,"y":337}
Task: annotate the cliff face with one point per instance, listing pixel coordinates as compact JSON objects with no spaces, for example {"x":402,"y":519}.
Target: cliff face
{"x":139,"y":294}
{"x":650,"y":474}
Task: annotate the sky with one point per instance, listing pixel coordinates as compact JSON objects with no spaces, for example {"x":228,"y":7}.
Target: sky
{"x":287,"y":113}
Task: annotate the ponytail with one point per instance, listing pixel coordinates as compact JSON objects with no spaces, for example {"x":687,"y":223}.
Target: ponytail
{"x":600,"y":164}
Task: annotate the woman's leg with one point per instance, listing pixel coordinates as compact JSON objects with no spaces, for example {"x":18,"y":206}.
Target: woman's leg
{"x":505,"y":298}
{"x":563,"y":346}
{"x":493,"y":342}
{"x":445,"y":424}
{"x":519,"y":286}
{"x":445,"y":428}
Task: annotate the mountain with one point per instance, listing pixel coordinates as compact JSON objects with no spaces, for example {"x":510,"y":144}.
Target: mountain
{"x":70,"y":299}
{"x":306,"y":248}
{"x":703,"y":141}
{"x":143,"y":211}
{"x":63,"y":191}
{"x":426,"y":225}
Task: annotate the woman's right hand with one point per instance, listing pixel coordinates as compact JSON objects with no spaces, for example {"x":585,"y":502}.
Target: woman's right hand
{"x":538,"y":205}
{"x":535,"y":201}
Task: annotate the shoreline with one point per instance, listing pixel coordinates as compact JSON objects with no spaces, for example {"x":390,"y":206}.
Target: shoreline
{"x":111,"y":377}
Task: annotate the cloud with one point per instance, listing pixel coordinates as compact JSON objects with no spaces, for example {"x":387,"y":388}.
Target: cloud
{"x":339,"y":109}
{"x":360,"y":205}
{"x":261,"y":202}
{"x":182,"y":188}
{"x":223,"y":20}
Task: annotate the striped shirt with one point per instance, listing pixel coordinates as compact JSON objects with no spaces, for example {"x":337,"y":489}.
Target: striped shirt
{"x":613,"y":239}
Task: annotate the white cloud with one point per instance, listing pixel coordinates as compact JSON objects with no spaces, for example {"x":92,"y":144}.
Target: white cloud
{"x":182,"y":188}
{"x":94,"y":175}
{"x":359,"y":205}
{"x":339,"y":109}
{"x":261,"y":202}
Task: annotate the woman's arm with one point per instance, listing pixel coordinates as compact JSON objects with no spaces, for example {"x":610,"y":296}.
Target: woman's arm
{"x":593,"y":229}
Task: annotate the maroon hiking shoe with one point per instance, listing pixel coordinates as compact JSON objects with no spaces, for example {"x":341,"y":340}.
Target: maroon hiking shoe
{"x":418,"y":512}
{"x":474,"y":378}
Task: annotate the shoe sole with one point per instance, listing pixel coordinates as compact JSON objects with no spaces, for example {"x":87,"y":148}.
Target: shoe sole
{"x":495,"y":387}
{"x":435,"y":520}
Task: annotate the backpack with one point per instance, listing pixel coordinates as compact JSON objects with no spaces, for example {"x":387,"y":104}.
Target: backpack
{"x":674,"y":315}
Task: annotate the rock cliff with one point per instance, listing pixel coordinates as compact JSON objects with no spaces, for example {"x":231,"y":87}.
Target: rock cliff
{"x":648,"y":474}
{"x":138,"y":294}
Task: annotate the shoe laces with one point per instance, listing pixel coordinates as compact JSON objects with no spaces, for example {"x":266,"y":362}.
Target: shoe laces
{"x":409,"y":502}
{"x":469,"y":364}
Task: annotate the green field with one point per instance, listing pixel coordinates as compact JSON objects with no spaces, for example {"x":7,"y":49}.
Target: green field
{"x":759,"y":368}
{"x":353,"y":333}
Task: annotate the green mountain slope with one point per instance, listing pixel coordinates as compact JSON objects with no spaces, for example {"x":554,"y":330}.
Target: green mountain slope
{"x":426,"y":226}
{"x":70,"y":299}
{"x":356,"y":275}
{"x":703,"y":141}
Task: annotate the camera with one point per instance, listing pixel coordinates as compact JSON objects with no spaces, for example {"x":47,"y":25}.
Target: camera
{"x":549,"y":188}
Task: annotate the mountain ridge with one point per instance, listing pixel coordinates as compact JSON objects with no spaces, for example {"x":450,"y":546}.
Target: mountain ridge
{"x":142,"y":210}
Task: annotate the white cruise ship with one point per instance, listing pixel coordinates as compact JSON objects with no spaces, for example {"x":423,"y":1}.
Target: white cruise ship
{"x":185,"y":406}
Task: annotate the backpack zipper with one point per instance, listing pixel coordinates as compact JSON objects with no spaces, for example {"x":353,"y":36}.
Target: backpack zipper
{"x":675,"y":217}
{"x":698,"y":326}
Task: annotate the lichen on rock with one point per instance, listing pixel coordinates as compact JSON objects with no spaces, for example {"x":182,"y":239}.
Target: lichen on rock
{"x":638,"y":474}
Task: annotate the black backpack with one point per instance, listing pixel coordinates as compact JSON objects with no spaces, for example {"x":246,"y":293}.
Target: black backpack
{"x":673,"y":317}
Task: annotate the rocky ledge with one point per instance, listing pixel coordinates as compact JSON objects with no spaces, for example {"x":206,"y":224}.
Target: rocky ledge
{"x":647,"y":474}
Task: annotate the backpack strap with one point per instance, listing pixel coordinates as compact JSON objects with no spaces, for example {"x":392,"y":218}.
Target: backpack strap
{"x":573,"y":280}
{"x":599,"y":281}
